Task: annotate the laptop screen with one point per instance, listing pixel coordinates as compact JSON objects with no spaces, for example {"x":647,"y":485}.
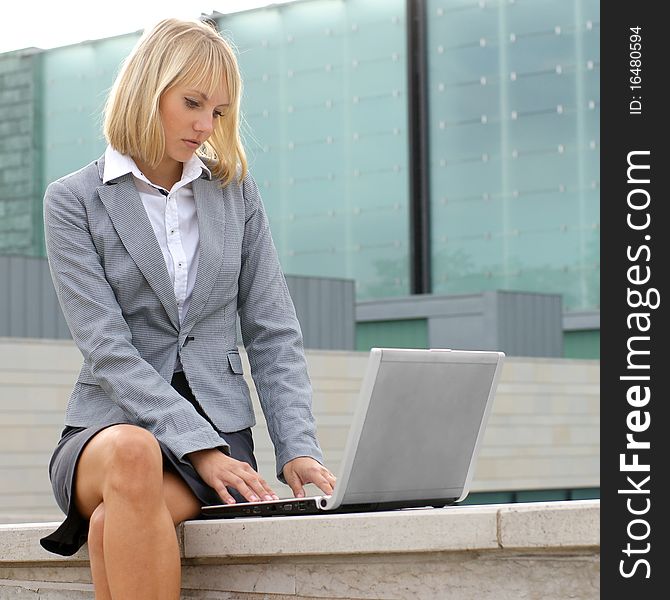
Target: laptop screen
{"x":420,"y":433}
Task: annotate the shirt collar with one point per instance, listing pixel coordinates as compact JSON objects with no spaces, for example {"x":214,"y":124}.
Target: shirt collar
{"x":117,"y":164}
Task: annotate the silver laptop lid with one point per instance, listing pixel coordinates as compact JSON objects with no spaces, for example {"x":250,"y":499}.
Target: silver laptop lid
{"x":418,"y":425}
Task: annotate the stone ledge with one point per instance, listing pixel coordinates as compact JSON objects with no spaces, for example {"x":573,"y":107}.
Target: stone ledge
{"x":491,"y":552}
{"x":573,"y":524}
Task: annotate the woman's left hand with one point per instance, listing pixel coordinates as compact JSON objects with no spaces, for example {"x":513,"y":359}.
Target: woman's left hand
{"x":305,"y":469}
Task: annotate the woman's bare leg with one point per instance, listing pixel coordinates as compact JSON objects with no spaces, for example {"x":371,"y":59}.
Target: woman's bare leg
{"x":132,"y":539}
{"x":181,"y":503}
{"x":96,"y":553}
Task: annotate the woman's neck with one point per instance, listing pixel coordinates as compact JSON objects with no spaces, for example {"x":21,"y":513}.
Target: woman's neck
{"x":166,"y":174}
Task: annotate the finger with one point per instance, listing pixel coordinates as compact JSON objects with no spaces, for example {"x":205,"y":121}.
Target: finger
{"x":251,"y":485}
{"x":260,"y":486}
{"x":266,"y":490}
{"x":324,"y":480}
{"x":241,"y":486}
{"x":248,"y":482}
{"x":225,"y":495}
{"x":331,"y":479}
{"x":324,"y":485}
{"x":257,"y":483}
{"x":295,"y":484}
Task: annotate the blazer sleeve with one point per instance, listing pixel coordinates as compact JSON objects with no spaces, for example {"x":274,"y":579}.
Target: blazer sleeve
{"x":100,"y":331}
{"x":273,"y":339}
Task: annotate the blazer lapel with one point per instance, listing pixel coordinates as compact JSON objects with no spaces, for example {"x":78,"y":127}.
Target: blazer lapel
{"x":210,"y":210}
{"x":125,"y":208}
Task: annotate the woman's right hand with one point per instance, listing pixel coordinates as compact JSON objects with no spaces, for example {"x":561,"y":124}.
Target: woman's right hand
{"x":219,"y":470}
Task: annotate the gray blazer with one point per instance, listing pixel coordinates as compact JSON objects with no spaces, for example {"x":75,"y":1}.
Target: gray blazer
{"x":118,"y":300}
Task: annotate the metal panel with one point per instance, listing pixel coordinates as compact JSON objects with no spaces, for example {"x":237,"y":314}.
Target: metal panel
{"x":4,"y":296}
{"x":529,"y":324}
{"x":17,"y":297}
{"x":325,"y":309}
{"x":32,"y":323}
{"x":418,"y":306}
{"x":28,"y":303}
{"x":465,"y":332}
{"x":50,"y":311}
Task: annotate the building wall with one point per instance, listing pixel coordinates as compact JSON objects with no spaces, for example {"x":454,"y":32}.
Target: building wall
{"x":543,"y":433}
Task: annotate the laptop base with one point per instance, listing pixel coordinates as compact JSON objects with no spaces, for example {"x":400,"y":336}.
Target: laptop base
{"x":310,"y":506}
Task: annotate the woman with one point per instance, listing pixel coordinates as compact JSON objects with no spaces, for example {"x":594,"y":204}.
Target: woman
{"x":154,"y":250}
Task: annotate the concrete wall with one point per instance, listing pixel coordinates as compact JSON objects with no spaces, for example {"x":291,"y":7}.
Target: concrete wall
{"x":543,"y":432}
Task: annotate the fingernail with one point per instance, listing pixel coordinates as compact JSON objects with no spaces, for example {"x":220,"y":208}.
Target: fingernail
{"x":254,"y":498}
{"x":231,"y":501}
{"x":268,"y":497}
{"x":275,"y":497}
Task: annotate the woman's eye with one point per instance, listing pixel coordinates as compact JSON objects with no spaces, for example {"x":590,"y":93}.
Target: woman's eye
{"x":191,"y":103}
{"x":217,"y":114}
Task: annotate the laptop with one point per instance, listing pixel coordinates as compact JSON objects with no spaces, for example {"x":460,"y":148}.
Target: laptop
{"x":414,"y":439}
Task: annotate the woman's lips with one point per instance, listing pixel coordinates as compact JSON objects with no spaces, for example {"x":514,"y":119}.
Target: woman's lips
{"x":192,"y":144}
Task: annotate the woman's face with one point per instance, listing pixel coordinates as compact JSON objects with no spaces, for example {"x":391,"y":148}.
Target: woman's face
{"x":188,"y":118}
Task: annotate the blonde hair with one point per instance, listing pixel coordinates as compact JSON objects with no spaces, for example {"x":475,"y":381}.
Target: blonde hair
{"x":176,"y":52}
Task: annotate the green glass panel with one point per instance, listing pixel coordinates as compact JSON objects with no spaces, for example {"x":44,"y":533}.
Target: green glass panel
{"x":489,"y":498}
{"x":585,"y":494}
{"x":531,"y":496}
{"x":542,"y":495}
{"x":325,"y":103}
{"x":75,"y":83}
{"x":406,"y":333}
{"x":581,"y":344}
{"x":38,"y":242}
{"x":514,"y":143}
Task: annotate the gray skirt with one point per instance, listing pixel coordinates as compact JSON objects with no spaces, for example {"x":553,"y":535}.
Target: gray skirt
{"x":73,"y":531}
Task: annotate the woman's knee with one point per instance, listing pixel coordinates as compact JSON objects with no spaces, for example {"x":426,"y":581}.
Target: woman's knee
{"x":119,"y":460}
{"x":135,"y":462}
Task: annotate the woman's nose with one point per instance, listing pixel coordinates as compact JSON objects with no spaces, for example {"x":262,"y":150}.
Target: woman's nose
{"x":205,"y":124}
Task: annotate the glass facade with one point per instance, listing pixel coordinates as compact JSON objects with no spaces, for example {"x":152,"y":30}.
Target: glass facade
{"x":514,"y":144}
{"x":513,"y":129}
{"x":75,"y":83}
{"x":326,"y":106}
